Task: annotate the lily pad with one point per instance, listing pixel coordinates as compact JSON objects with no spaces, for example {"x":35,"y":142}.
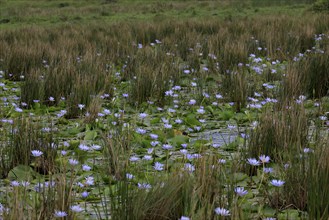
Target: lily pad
{"x":227,"y":115}
{"x":178,"y":140}
{"x":289,"y":214}
{"x":192,"y":121}
{"x":22,"y":173}
{"x":239,"y":176}
{"x":269,"y":212}
{"x":90,"y":135}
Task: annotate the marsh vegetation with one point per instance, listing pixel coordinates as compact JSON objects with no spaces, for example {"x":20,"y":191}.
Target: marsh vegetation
{"x":207,"y":117}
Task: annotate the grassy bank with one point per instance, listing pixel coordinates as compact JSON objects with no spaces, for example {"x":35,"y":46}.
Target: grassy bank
{"x":52,"y":13}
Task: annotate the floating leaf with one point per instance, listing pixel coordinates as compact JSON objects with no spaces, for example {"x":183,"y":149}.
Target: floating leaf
{"x":289,"y":214}
{"x":73,"y":131}
{"x":90,"y":135}
{"x":141,"y":124}
{"x":192,"y":121}
{"x":74,"y":144}
{"x":36,"y":105}
{"x":155,"y":121}
{"x":241,"y":117}
{"x":231,"y":146}
{"x":178,"y":140}
{"x":227,"y":115}
{"x":63,"y":121}
{"x":239,"y":176}
{"x":22,"y":173}
{"x":210,"y":109}
{"x":199,"y":144}
{"x":269,"y":212}
{"x":53,"y":109}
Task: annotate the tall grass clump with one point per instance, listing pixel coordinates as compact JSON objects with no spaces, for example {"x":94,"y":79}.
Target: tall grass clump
{"x":182,"y":193}
{"x":80,"y":97}
{"x":306,"y":176}
{"x":295,"y":170}
{"x":151,"y":71}
{"x":164,"y":200}
{"x":286,"y":135}
{"x":315,"y":70}
{"x":280,"y":133}
{"x":23,"y":203}
{"x":292,"y":82}
{"x":56,"y":70}
{"x":236,"y":88}
{"x":21,"y":60}
{"x":308,"y":73}
{"x":318,"y":192}
{"x":35,"y":196}
{"x":321,"y":6}
{"x":32,"y":90}
{"x":309,"y":76}
{"x":24,"y":137}
{"x":236,"y":49}
{"x":116,"y":153}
